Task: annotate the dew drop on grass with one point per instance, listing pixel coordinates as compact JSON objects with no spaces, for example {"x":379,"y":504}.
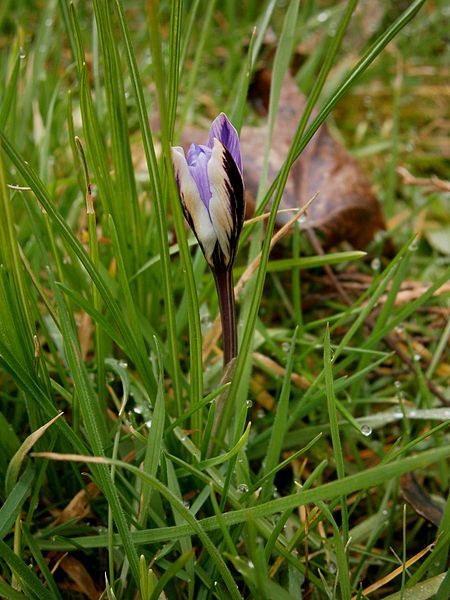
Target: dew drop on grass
{"x":416,"y":357}
{"x":243,"y":488}
{"x":285,"y":346}
{"x":413,"y":246}
{"x":249,"y":404}
{"x":148,"y":424}
{"x":397,"y":384}
{"x":322,"y":17}
{"x":22,"y":53}
{"x":366,"y":430}
{"x":123,"y":364}
{"x":375,"y":264}
{"x":137,"y":410}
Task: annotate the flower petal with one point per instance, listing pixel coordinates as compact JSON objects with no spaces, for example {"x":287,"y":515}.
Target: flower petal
{"x":194,"y":209}
{"x":226,"y":207}
{"x":223,"y":130}
{"x":197,"y":160}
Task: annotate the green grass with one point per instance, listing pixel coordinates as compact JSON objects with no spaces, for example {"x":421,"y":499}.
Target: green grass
{"x":105,"y":300}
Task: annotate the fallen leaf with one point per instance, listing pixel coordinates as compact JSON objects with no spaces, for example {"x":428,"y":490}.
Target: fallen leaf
{"x":85,"y":330}
{"x":420,"y":500}
{"x":80,"y":576}
{"x":79,"y":507}
{"x":346,"y":208}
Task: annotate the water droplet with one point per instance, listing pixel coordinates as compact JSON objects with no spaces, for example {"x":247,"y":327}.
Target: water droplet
{"x":397,"y":384}
{"x":22,"y":53}
{"x":186,"y":504}
{"x":286,"y":346}
{"x":183,"y":438}
{"x":417,"y":357}
{"x":148,"y":424}
{"x":332,"y":568}
{"x":249,"y":404}
{"x":123,"y":364}
{"x":412,"y":414}
{"x":275,"y":493}
{"x":137,"y":410}
{"x":366,"y":430}
{"x":243,"y":488}
{"x":413,"y":246}
{"x":375,"y":264}
{"x":251,"y":565}
{"x":322,"y":17}
{"x":385,"y":512}
{"x":48,"y":22}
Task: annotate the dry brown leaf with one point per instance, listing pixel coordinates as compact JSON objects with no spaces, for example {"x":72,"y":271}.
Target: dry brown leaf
{"x":346,"y":208}
{"x":79,"y":507}
{"x":258,"y":386}
{"x":408,"y":295}
{"x":271,"y":365}
{"x":395,"y":573}
{"x":420,"y":500}
{"x":80,"y":576}
{"x":85,"y":329}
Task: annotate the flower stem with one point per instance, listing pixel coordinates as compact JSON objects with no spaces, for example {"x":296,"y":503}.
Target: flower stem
{"x":227,"y":307}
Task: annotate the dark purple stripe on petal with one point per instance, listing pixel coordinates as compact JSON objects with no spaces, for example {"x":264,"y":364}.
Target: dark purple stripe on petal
{"x":223,"y":130}
{"x":235,"y":190}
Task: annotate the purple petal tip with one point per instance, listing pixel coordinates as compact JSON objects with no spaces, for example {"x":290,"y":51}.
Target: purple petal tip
{"x":223,"y":130}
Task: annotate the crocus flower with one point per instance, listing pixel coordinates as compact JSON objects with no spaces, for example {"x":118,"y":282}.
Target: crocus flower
{"x":212,"y":195}
{"x":212,"y":192}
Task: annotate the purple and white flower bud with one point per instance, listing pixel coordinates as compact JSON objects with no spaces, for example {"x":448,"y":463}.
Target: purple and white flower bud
{"x":212,"y":192}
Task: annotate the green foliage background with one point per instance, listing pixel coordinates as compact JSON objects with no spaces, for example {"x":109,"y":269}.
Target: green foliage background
{"x":102,"y":314}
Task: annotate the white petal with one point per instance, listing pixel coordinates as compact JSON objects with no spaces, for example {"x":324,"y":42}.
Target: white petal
{"x":194,"y":209}
{"x":220,"y":207}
